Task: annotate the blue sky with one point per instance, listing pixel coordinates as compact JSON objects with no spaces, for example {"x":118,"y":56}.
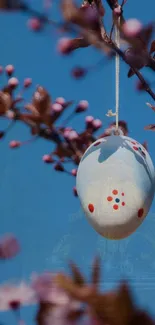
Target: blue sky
{"x":36,"y":202}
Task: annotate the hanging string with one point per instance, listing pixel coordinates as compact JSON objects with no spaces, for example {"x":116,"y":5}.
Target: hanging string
{"x":117,"y":78}
{"x":117,"y":72}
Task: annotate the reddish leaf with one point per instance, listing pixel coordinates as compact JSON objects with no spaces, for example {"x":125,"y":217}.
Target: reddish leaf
{"x":150,"y":127}
{"x":145,"y":145}
{"x":77,"y":276}
{"x":152,"y":48}
{"x":96,"y":271}
{"x":141,"y":317}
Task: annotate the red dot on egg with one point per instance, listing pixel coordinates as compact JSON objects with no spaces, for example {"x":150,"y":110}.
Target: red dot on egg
{"x":135,"y":148}
{"x":97,"y":143}
{"x":109,"y":198}
{"x":115,"y":206}
{"x":115,"y":192}
{"x":140,"y":213}
{"x":123,"y":203}
{"x":91,"y":207}
{"x":122,"y":194}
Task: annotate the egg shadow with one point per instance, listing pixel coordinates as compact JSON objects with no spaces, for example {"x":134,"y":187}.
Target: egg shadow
{"x":107,"y":149}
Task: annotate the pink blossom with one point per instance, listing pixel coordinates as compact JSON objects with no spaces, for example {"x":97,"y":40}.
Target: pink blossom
{"x":48,"y":159}
{"x":46,"y":290}
{"x":34,"y":24}
{"x":27,"y":82}
{"x":67,"y":131}
{"x":9,"y":69}
{"x":10,"y":115}
{"x":132,"y":27}
{"x":57,"y":107}
{"x":97,"y":124}
{"x":82,"y":106}
{"x":72,"y":135}
{"x":11,"y":296}
{"x":74,"y":172}
{"x":64,"y":45}
{"x":75,"y":191}
{"x":60,"y":100}
{"x":91,"y":15}
{"x":9,"y":246}
{"x":59,"y":315}
{"x":42,"y":285}
{"x":89,"y":119}
{"x":118,"y":11}
{"x":14,"y":144}
{"x":13,"y":82}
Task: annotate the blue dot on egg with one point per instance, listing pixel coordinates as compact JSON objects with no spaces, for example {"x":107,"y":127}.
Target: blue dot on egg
{"x":117,"y":200}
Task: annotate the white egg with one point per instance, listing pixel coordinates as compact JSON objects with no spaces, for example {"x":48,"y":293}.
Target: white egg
{"x":116,"y":185}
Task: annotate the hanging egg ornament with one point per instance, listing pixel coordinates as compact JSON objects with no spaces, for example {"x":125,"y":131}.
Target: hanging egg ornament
{"x":116,"y":185}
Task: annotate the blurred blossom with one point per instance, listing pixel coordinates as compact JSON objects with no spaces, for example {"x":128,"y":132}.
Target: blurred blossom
{"x":60,"y":100}
{"x":97,"y":124}
{"x":46,"y":289}
{"x":75,"y":191}
{"x":118,"y":10}
{"x":13,"y":82}
{"x":12,"y":296}
{"x":82,"y":106}
{"x":64,"y":45}
{"x":10,"y":115}
{"x":48,"y":159}
{"x":89,"y":119}
{"x":57,"y":107}
{"x":137,"y":59}
{"x":9,"y":69}
{"x":59,"y":314}
{"x":79,"y":72}
{"x":27,"y":82}
{"x":67,"y":132}
{"x":34,"y":24}
{"x":14,"y":144}
{"x":9,"y":246}
{"x":132,"y":27}
{"x":74,"y":172}
{"x":91,"y":15}
{"x":72,"y":135}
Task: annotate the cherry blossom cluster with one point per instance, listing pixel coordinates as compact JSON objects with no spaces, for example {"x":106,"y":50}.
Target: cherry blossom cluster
{"x":42,"y":115}
{"x":68,"y":299}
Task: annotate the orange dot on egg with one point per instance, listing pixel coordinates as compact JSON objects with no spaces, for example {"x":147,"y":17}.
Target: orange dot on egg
{"x":115,"y":192}
{"x":109,"y":198}
{"x":115,"y":206}
{"x":91,"y":207}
